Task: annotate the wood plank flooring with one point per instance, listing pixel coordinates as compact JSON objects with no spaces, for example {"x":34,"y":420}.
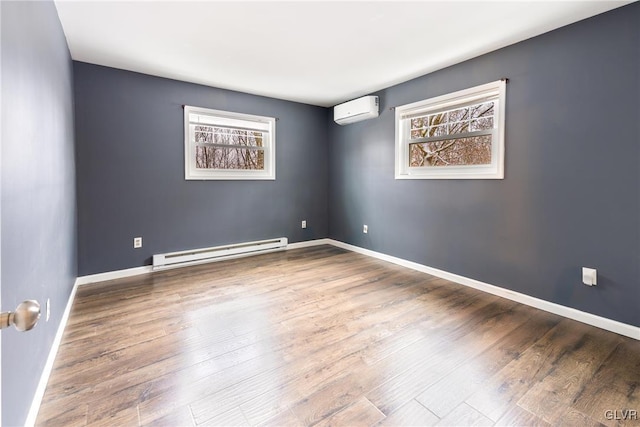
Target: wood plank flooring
{"x":322,"y":336}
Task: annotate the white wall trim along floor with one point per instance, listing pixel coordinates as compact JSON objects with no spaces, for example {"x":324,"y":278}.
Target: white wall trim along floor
{"x":48,"y":367}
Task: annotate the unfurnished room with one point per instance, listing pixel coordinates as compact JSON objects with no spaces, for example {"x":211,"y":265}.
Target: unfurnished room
{"x":320,"y":213}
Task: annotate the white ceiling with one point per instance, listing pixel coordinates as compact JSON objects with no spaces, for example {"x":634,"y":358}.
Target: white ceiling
{"x":316,"y":52}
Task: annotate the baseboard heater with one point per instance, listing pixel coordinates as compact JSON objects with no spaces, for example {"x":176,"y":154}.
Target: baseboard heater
{"x":217,"y":253}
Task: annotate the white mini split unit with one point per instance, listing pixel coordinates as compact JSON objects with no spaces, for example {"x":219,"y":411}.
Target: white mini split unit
{"x":357,"y":110}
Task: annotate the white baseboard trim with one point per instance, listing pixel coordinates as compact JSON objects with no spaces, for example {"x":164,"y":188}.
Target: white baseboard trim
{"x":561,"y":310}
{"x":48,"y":367}
{"x":135,"y":271}
{"x":309,"y":243}
{"x":111,"y":275}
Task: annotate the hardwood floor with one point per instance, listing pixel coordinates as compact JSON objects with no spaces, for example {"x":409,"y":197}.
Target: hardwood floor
{"x":322,"y":336}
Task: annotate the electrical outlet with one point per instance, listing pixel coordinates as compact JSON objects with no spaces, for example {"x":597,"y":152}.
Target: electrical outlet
{"x":365,"y":229}
{"x":137,"y":242}
{"x":48,"y":309}
{"x":589,"y":276}
{"x":304,"y":224}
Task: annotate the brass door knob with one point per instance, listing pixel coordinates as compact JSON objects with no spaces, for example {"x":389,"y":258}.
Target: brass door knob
{"x":24,"y":318}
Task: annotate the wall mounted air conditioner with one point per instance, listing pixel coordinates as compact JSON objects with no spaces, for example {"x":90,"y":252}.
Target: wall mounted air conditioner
{"x":354,"y":111}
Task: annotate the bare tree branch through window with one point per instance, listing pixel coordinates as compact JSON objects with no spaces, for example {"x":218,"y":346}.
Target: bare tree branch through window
{"x":452,"y":151}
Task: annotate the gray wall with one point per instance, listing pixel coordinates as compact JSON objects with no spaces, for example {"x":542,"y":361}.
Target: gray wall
{"x":130,"y":169}
{"x":38,"y":190}
{"x":571,"y":193}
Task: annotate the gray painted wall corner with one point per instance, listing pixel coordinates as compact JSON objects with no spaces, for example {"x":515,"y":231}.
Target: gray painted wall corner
{"x":130,"y":168}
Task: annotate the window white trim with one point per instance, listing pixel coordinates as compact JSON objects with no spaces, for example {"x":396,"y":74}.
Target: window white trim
{"x":494,"y":91}
{"x":207,"y":116}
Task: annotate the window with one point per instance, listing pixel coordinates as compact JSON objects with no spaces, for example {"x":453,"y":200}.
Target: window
{"x":225,"y":145}
{"x":454,"y":136}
